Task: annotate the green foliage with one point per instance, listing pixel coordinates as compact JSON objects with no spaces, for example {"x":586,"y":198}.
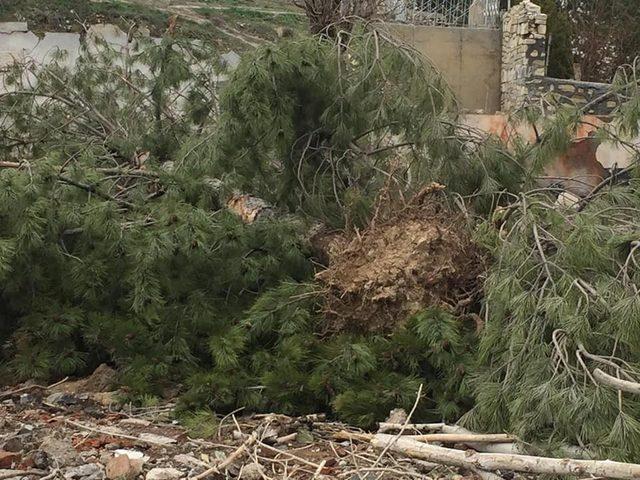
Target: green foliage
{"x":300,"y":121}
{"x":106,"y":258}
{"x":201,"y":423}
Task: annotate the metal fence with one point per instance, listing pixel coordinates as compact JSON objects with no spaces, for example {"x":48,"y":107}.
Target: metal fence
{"x":454,"y":13}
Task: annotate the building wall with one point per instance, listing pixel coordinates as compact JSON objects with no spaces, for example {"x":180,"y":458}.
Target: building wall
{"x":468,"y":58}
{"x":609,"y":154}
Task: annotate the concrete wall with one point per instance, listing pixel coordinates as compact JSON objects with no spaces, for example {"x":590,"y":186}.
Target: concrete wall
{"x":468,"y":58}
{"x":18,"y":44}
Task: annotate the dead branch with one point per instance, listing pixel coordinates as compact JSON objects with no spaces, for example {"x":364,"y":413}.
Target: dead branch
{"x":436,"y":437}
{"x":509,"y":462}
{"x":22,"y":473}
{"x":617,"y":383}
{"x":384,"y":427}
{"x":231,"y":458}
{"x":113,"y":434}
{"x":32,"y":387}
{"x":4,"y":164}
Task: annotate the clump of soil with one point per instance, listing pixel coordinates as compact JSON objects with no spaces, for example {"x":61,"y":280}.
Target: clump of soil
{"x":420,"y":256}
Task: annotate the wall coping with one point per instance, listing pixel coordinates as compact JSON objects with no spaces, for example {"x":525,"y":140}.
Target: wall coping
{"x":580,"y":83}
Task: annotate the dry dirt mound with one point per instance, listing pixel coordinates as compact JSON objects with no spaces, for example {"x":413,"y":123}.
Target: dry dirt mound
{"x":420,"y":256}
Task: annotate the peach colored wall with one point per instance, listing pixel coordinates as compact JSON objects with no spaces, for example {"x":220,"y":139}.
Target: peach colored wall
{"x":609,"y":154}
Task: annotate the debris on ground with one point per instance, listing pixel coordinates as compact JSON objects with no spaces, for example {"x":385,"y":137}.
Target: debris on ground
{"x":419,"y":257}
{"x":41,"y":441}
{"x":87,"y":440}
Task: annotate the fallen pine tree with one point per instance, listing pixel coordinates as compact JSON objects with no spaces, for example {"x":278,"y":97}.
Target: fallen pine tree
{"x":120,"y":239}
{"x":118,"y":244}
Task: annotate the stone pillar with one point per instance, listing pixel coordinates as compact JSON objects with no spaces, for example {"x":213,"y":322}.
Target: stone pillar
{"x":524,"y":45}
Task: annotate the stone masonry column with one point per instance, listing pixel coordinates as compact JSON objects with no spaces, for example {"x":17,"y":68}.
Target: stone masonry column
{"x":524,"y":30}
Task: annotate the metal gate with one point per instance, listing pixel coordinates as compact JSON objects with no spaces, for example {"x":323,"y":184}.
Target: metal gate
{"x":455,"y":13}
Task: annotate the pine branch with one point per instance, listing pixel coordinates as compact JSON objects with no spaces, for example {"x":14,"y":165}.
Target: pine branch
{"x":92,"y":189}
{"x":616,"y":383}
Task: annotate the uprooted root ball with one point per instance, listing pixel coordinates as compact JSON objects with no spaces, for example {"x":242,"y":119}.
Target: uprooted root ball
{"x":421,"y":256}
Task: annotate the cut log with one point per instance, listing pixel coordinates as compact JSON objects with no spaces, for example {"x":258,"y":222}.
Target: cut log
{"x":505,"y":462}
{"x":351,"y":436}
{"x":617,"y":383}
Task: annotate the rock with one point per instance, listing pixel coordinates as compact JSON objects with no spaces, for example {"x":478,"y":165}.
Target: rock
{"x":59,"y":451}
{"x":135,"y":421}
{"x":14,"y":444}
{"x":61,"y":398}
{"x":123,"y":467}
{"x":190,"y":461}
{"x":568,"y":200}
{"x":157,"y":439}
{"x":252,"y":471}
{"x":132,"y":454}
{"x":27,"y":399}
{"x":105,"y":398}
{"x":8,"y":459}
{"x":39,"y":459}
{"x":89,"y":471}
{"x":164,"y":474}
{"x":26,"y":428}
